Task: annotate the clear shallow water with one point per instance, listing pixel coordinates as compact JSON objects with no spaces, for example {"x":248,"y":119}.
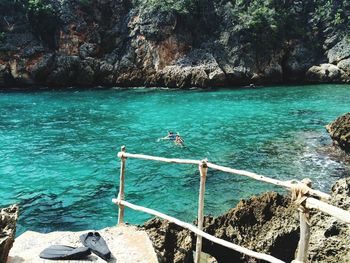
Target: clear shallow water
{"x":58,"y":149}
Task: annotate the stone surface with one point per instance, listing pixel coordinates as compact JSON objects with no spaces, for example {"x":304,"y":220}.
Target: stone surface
{"x":126,"y":243}
{"x":171,"y":242}
{"x":324,"y":73}
{"x":8,"y":218}
{"x":297,"y":62}
{"x":339,"y":130}
{"x":329,"y":241}
{"x":339,"y":51}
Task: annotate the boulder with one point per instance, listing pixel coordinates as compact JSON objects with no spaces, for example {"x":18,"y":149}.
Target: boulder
{"x":344,"y":65}
{"x":339,"y":130}
{"x":8,"y":218}
{"x":324,"y":73}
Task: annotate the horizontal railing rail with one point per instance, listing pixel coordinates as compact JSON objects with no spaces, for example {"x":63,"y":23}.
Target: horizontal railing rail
{"x":199,"y":232}
{"x":302,"y":190}
{"x":285,"y":184}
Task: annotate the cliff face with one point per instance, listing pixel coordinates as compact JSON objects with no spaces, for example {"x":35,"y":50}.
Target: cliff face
{"x":141,"y":43}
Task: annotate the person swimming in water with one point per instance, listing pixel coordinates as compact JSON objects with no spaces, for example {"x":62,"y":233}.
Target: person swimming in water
{"x":174,"y":137}
{"x":171,"y":136}
{"x":179,"y":140}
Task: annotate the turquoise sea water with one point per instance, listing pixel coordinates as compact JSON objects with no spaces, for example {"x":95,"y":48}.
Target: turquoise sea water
{"x":58,"y":149}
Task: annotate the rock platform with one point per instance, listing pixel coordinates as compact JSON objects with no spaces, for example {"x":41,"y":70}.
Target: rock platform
{"x":127,"y":244}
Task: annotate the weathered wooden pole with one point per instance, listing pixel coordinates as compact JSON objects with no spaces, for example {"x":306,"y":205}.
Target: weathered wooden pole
{"x":304,"y":215}
{"x":203,"y":168}
{"x":121,"y":186}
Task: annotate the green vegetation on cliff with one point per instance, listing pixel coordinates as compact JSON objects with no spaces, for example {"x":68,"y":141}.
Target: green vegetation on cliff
{"x":179,"y":6}
{"x":335,"y":13}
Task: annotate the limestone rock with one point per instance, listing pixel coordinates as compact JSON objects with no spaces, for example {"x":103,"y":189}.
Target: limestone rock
{"x":42,"y":68}
{"x":88,"y":50}
{"x":298,"y":62}
{"x":339,"y":130}
{"x":136,"y":45}
{"x":266,"y":223}
{"x":8,"y":218}
{"x":329,"y":241}
{"x":171,"y":242}
{"x":65,"y":71}
{"x":323,"y":73}
{"x":344,"y":65}
{"x":340,"y":51}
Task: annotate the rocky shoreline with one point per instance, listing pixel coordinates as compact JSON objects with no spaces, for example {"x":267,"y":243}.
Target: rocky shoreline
{"x":128,"y":44}
{"x":266,"y":223}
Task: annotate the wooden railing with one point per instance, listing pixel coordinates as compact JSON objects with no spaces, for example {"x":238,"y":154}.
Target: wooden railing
{"x":301,"y":191}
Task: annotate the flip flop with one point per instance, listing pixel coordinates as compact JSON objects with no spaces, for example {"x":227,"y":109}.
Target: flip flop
{"x":97,"y":244}
{"x":64,"y":252}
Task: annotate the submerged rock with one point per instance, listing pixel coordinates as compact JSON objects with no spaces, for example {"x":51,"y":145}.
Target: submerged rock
{"x":267,"y":223}
{"x":339,"y":130}
{"x":8,"y":218}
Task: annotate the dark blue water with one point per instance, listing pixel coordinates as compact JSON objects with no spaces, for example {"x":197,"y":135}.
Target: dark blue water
{"x":58,"y":149}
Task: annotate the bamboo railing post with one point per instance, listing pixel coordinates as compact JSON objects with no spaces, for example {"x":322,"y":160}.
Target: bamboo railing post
{"x":203,"y":168}
{"x":304,"y":215}
{"x":121,"y":186}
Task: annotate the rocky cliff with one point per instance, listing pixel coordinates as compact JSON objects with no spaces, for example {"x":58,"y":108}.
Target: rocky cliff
{"x":267,"y":223}
{"x":180,"y":43}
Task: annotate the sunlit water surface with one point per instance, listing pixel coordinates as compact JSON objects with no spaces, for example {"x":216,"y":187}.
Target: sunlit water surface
{"x":58,"y":149}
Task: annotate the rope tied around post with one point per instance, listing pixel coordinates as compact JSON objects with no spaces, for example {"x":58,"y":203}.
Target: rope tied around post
{"x":121,"y":153}
{"x":203,"y":164}
{"x":300,"y":192}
